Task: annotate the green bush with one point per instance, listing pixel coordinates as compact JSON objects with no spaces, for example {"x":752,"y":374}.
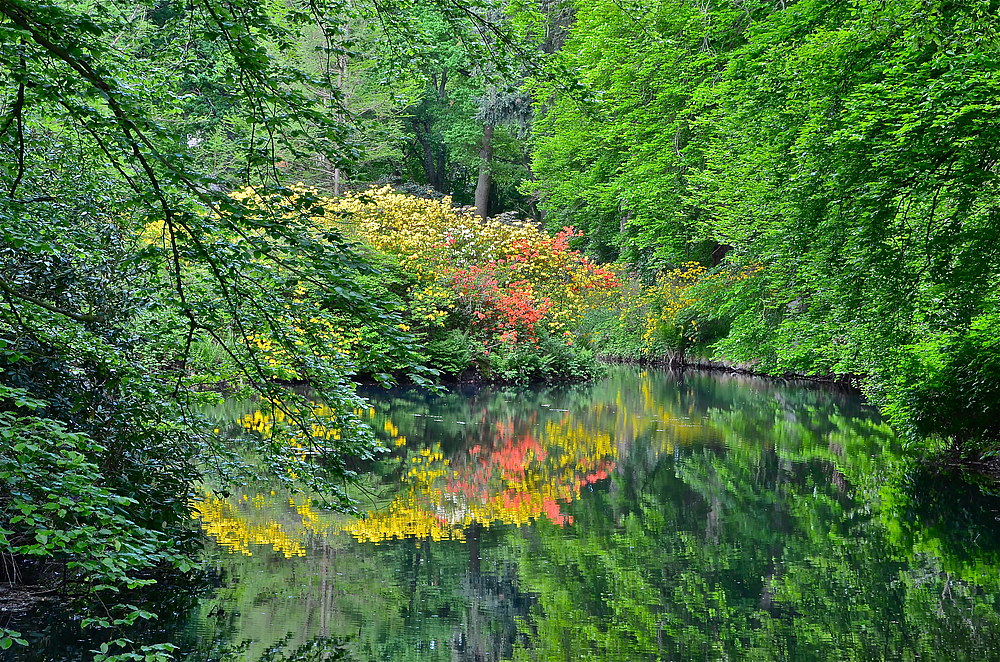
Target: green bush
{"x":550,"y":360}
{"x":64,"y":517}
{"x":452,"y":352}
{"x":947,"y":386}
{"x":614,"y":337}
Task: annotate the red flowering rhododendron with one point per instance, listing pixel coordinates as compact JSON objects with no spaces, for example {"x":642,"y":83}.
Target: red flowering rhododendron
{"x":502,"y":311}
{"x":535,"y":284}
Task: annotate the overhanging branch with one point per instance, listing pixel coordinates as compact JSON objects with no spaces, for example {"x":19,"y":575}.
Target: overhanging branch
{"x":41,"y":303}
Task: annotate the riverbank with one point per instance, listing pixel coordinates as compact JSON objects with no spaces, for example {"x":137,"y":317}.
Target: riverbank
{"x":674,"y":361}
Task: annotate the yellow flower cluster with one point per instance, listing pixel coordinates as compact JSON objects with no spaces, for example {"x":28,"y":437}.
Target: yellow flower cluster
{"x":668,"y":309}
{"x":668,"y":297}
{"x":307,"y":325}
{"x":326,"y":337}
{"x":417,"y":229}
{"x":430,"y":302}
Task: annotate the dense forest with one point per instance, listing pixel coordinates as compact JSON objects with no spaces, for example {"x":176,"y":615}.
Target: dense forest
{"x":227,"y":195}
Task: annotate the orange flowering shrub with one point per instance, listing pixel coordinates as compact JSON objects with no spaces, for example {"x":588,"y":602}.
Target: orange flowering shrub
{"x":498,"y":283}
{"x":509,"y":280}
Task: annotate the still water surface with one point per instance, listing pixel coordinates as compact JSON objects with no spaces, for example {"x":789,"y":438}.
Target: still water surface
{"x":647,"y":516}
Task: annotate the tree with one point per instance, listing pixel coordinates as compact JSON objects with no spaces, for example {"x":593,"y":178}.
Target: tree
{"x":842,"y":156}
{"x":121,"y":251}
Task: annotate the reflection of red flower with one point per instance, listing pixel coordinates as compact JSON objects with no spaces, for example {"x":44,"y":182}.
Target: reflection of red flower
{"x":589,"y":479}
{"x":551,"y":509}
{"x":520,"y":474}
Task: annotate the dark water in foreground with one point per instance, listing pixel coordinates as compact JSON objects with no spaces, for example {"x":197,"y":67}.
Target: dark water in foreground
{"x":649,"y":516}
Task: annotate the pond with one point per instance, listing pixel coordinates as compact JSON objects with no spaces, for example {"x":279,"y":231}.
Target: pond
{"x":647,"y":516}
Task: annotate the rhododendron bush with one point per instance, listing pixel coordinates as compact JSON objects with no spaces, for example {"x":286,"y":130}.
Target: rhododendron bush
{"x":490,"y":290}
{"x":506,"y":282}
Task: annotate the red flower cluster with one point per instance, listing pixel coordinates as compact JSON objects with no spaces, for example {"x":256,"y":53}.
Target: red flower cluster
{"x":507,"y":311}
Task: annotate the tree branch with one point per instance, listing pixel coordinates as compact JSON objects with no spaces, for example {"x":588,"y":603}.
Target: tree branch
{"x":79,"y":317}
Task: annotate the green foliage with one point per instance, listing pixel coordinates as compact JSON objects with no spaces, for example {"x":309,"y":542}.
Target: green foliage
{"x":550,"y":360}
{"x":613,"y":146}
{"x":840,"y":156}
{"x":66,"y":520}
{"x":415,"y":112}
{"x":947,"y":386}
{"x":10,"y":637}
{"x":451,"y":352}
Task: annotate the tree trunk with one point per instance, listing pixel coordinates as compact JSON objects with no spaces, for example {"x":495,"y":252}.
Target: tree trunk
{"x":485,"y":176}
{"x":341,"y":80}
{"x":428,"y":159}
{"x":719,"y":252}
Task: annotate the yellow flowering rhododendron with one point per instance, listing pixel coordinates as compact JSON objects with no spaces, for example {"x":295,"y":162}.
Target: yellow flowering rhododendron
{"x":505,"y":280}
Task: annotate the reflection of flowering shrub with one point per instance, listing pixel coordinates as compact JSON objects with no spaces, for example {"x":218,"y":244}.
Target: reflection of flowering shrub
{"x":521,"y":471}
{"x":241,"y":532}
{"x":517,"y":479}
{"x":322,"y":426}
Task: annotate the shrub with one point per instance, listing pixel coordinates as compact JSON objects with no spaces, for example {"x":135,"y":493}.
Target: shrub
{"x":947,"y":386}
{"x":550,"y":360}
{"x":452,"y":352}
{"x":503,"y":284}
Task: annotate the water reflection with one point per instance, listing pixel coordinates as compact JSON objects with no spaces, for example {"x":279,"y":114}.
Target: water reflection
{"x":649,"y":516}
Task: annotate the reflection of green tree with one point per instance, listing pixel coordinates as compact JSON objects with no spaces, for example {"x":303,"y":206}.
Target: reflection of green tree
{"x":933,"y":512}
{"x":314,"y":649}
{"x":773,"y":548}
{"x":402,"y":600}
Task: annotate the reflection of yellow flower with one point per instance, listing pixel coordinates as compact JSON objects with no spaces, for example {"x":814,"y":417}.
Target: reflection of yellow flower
{"x":229,"y":528}
{"x":524,"y":476}
{"x":408,"y":516}
{"x":240,"y":530}
{"x":266,"y":423}
{"x":440,"y":501}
